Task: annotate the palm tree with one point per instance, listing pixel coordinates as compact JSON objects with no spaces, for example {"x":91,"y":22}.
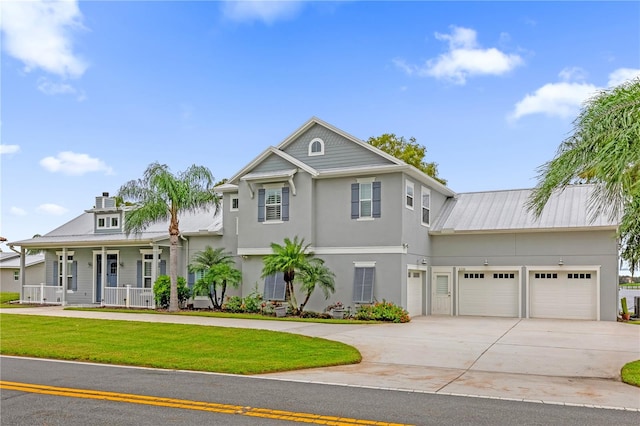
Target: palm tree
{"x":316,"y":273}
{"x":161,"y":195}
{"x":203,"y":262}
{"x":220,"y":275}
{"x":604,"y":149}
{"x":288,"y":258}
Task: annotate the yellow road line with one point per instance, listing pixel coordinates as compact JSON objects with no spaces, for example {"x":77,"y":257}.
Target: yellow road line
{"x":190,"y":405}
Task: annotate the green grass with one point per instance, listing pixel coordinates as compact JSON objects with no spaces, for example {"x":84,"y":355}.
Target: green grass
{"x":170,"y":346}
{"x":215,"y":314}
{"x":630,"y":373}
{"x":6,"y":297}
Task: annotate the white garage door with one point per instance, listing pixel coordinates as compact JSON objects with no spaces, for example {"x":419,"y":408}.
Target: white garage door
{"x":563,"y":294}
{"x":414,"y":293}
{"x":488,"y":293}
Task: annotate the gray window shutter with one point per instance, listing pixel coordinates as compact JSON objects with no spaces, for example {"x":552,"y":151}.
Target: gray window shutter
{"x":191,"y":278}
{"x":274,"y":287}
{"x":363,"y":285}
{"x":285,"y":203}
{"x":261,"y":205}
{"x":55,"y":273}
{"x":139,"y":273}
{"x":74,"y":276}
{"x":377,"y":196}
{"x":163,"y":267}
{"x":355,"y":200}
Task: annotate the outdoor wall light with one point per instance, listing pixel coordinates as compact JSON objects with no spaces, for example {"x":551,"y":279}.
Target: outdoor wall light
{"x":89,"y":264}
{"x":560,"y":262}
{"x":486,"y":262}
{"x":424,"y":261}
{"x":121,"y":264}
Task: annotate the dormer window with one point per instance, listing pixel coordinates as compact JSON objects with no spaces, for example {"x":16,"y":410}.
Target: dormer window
{"x":316,"y":147}
{"x":110,"y":221}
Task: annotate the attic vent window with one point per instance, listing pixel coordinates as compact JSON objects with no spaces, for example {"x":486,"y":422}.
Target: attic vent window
{"x":316,"y":147}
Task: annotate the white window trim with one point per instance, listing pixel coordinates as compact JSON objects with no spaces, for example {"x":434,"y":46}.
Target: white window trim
{"x":365,"y":181}
{"x":108,"y":218}
{"x":424,"y":190}
{"x":321,"y":152}
{"x":16,"y":275}
{"x":231,"y":208}
{"x":369,"y":264}
{"x":408,"y":184}
{"x":69,"y":273}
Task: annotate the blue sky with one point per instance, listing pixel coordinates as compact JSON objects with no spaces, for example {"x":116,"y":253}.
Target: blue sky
{"x":92,"y":92}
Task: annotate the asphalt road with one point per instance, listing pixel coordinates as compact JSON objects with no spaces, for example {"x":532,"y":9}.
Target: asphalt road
{"x":250,"y":401}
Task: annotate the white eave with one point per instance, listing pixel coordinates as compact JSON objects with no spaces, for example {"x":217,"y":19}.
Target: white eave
{"x":265,"y":177}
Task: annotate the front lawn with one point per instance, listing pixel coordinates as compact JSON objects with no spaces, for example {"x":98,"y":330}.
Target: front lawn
{"x":171,"y":346}
{"x":630,"y":373}
{"x":6,"y":297}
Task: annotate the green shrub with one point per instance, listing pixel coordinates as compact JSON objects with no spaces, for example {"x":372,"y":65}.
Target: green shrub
{"x":253,"y":302}
{"x":233,"y":304}
{"x":309,"y":314}
{"x":382,"y":311}
{"x":162,"y":291}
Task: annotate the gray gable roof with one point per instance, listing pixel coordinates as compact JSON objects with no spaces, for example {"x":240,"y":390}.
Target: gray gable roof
{"x":505,"y":211}
{"x":80,"y":231}
{"x":12,"y":260}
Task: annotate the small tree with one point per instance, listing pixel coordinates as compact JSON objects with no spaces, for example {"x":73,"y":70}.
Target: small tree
{"x":315,"y":273}
{"x":202,"y":262}
{"x":287,"y":258}
{"x":218,"y":276}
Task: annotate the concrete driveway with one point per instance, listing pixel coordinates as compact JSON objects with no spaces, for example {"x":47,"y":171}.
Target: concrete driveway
{"x":550,"y":361}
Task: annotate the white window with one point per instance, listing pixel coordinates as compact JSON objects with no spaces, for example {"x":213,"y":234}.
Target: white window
{"x":274,"y":287}
{"x":426,"y":206}
{"x":114,"y":222}
{"x":16,"y":275}
{"x":147,"y":265}
{"x":235,"y":203}
{"x":409,"y":194}
{"x":316,"y":147}
{"x":273,"y":204}
{"x":105,"y":222}
{"x":101,"y":222}
{"x":69,"y":277}
{"x":366,"y":199}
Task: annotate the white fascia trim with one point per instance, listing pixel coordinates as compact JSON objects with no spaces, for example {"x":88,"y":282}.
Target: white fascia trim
{"x":295,"y":161}
{"x":452,"y":231}
{"x":263,"y":251}
{"x":226,"y":187}
{"x":359,"y":171}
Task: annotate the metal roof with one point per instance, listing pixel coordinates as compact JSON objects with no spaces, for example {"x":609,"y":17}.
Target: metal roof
{"x":12,"y":260}
{"x":505,"y":211}
{"x":80,"y":231}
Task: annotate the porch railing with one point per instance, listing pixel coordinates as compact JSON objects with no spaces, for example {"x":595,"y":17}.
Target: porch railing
{"x":129,"y":297}
{"x":42,"y":294}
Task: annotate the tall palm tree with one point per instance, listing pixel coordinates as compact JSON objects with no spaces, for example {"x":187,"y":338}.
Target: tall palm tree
{"x":161,"y":195}
{"x":203,"y":262}
{"x":287,"y":258}
{"x":315,"y":272}
{"x":604,"y":149}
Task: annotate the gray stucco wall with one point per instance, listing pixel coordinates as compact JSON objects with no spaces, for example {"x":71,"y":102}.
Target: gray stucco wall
{"x":33,"y":275}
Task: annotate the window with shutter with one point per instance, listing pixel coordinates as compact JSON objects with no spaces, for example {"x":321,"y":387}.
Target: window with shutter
{"x":363,"y":284}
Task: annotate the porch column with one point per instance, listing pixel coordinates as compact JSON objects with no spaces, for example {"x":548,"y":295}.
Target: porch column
{"x":63,"y":268}
{"x":22,"y":272}
{"x":103,"y":271}
{"x":156,"y":265}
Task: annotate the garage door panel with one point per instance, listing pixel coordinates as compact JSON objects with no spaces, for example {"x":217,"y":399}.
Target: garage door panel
{"x":481,"y":294}
{"x":563,"y":297}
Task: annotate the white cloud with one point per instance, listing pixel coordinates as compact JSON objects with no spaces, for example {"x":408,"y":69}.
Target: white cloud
{"x":53,"y":209}
{"x":9,"y":149}
{"x":17,"y":211}
{"x":464,"y":59}
{"x":48,"y":87}
{"x":565,"y":98}
{"x":621,"y":75}
{"x":71,"y":163}
{"x":267,"y":11}
{"x":38,"y":33}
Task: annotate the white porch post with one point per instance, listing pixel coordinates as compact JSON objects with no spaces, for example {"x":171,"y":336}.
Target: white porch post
{"x":22,"y":274}
{"x":63,"y":267}
{"x":156,"y":265}
{"x":103,"y":272}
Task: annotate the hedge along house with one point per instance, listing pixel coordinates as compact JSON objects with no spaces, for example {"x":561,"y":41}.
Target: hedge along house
{"x":387,"y":230}
{"x":91,"y":261}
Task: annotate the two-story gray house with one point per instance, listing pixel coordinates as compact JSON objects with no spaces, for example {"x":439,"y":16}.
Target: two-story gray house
{"x":387,"y":231}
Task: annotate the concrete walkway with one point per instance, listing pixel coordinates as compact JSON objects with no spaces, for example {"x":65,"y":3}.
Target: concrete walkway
{"x":551,"y":361}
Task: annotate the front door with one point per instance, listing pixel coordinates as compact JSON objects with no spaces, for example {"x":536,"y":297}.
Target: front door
{"x":112,"y":270}
{"x":441,"y":293}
